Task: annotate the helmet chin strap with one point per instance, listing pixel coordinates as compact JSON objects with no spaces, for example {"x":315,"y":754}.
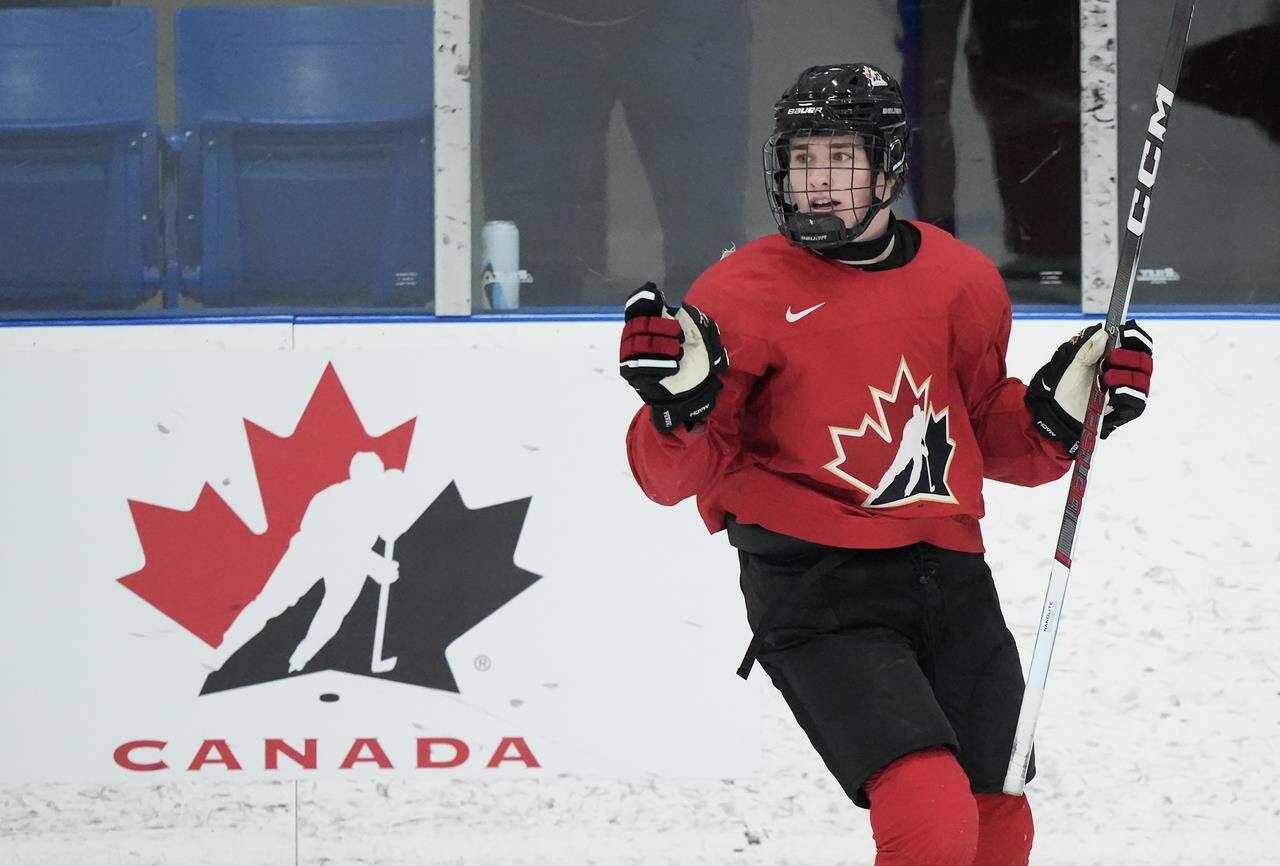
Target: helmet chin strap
{"x":880,"y":203}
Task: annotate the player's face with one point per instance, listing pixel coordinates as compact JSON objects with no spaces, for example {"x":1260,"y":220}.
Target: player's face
{"x":831,"y":174}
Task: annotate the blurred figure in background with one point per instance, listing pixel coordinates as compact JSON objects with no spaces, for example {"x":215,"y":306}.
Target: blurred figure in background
{"x":1024,"y":72}
{"x":551,"y":73}
{"x":1238,"y":74}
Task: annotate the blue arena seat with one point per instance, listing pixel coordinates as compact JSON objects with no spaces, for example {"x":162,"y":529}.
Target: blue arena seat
{"x":79,"y":208}
{"x":304,"y":153}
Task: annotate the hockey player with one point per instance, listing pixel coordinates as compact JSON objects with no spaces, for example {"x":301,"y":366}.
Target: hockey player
{"x":834,"y":396}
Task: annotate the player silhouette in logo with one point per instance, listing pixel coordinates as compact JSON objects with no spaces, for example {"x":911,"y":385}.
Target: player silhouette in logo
{"x":913,"y":450}
{"x":334,"y":544}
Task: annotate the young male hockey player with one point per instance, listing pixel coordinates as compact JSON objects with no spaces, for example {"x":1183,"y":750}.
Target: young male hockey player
{"x":834,"y":396}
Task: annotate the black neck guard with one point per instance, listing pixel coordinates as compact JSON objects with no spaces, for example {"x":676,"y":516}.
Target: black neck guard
{"x":904,"y":237}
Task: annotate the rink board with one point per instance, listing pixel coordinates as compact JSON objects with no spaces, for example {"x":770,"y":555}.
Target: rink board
{"x":160,"y":487}
{"x":615,"y":665}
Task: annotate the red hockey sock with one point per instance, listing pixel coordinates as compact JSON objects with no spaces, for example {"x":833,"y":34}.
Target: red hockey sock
{"x":1005,"y":830}
{"x":922,"y":813}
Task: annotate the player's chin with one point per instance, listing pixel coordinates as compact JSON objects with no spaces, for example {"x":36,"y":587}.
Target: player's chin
{"x":851,"y":217}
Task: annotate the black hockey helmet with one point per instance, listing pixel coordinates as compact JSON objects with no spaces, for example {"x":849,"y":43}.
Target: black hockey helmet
{"x":855,"y":99}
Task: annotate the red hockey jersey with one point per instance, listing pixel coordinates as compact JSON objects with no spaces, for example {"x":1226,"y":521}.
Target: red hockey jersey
{"x":861,"y":408}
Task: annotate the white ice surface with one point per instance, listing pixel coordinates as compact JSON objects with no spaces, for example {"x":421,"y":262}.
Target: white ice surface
{"x":1159,"y":741}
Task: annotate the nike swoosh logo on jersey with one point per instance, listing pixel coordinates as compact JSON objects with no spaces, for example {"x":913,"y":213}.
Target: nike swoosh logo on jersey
{"x":795,"y":317}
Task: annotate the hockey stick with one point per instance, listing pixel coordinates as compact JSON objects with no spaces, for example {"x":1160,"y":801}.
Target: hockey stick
{"x":379,"y":665}
{"x":1020,"y":757}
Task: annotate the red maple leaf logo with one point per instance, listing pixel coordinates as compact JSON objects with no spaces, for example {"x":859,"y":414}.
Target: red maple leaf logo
{"x":204,"y":565}
{"x":873,"y":444}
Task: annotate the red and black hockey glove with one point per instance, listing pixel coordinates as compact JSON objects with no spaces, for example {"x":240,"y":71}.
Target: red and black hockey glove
{"x":1059,"y":394}
{"x":672,"y":357}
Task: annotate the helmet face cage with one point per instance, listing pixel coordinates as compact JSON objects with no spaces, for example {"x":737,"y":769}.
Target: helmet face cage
{"x":847,"y":124}
{"x":826,"y":184}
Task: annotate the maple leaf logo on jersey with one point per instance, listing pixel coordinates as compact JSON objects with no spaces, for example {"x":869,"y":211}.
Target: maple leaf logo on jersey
{"x":352,"y":573}
{"x":908,"y":456}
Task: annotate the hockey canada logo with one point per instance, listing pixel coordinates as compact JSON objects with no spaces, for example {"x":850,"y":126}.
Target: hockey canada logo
{"x":874,"y":78}
{"x":909,"y":437}
{"x":354,"y":573}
